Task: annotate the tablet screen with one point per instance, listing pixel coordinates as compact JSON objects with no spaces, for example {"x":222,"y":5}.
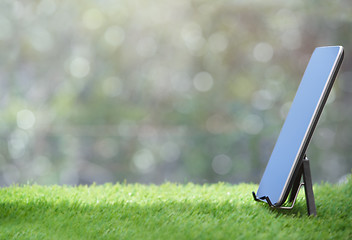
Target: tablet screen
{"x":300,"y":121}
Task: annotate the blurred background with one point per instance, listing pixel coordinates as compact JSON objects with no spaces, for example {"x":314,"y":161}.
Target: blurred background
{"x":162,"y":90}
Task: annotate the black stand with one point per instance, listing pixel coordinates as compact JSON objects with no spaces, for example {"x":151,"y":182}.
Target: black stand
{"x":303,"y":170}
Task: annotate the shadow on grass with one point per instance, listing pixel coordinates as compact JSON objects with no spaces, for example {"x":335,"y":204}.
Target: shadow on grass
{"x":330,"y":200}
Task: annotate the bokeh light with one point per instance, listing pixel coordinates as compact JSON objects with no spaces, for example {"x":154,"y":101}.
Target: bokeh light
{"x":25,"y":119}
{"x":203,"y":81}
{"x":222,"y":164}
{"x":263,"y":52}
{"x":79,"y":67}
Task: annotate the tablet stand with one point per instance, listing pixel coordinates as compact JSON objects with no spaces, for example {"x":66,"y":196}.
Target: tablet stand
{"x":303,"y":170}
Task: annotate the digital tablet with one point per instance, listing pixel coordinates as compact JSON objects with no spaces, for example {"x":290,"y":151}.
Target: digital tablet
{"x":299,"y":125}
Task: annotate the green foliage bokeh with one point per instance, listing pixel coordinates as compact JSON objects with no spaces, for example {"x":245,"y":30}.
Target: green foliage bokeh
{"x":148,"y":91}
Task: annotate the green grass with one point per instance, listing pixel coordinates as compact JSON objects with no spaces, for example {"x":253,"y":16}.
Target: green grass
{"x":169,"y":211}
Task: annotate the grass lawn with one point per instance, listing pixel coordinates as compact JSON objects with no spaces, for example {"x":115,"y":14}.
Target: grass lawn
{"x":169,"y":211}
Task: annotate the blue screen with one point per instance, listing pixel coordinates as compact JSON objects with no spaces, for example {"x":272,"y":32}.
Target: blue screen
{"x":309,"y":98}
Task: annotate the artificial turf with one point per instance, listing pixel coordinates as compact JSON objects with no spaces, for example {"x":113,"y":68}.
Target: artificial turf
{"x":168,"y":211}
